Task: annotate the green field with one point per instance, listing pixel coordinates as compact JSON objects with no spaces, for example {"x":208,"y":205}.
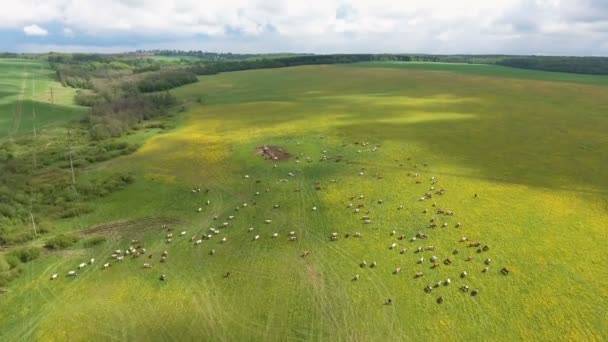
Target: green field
{"x":533,"y":148}
{"x":26,"y":98}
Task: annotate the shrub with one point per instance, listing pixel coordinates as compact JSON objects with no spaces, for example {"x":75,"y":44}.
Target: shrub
{"x":6,"y":277}
{"x":7,"y":210}
{"x":4,"y":265}
{"x":16,"y":236}
{"x":61,"y":241}
{"x":94,"y":241}
{"x":26,"y":254}
{"x":75,"y":210}
{"x":12,"y":261}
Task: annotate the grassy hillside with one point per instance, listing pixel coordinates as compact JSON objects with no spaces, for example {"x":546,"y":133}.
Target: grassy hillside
{"x":532,"y":149}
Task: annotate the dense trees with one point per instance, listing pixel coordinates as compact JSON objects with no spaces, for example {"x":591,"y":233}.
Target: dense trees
{"x":115,"y":112}
{"x":580,"y":65}
{"x":165,"y":80}
{"x":211,"y":68}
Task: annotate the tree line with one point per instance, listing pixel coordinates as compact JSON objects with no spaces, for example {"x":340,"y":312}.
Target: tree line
{"x":211,"y":68}
{"x":578,"y":65}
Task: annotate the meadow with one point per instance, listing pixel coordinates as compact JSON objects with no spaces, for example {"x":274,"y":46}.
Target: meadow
{"x":533,"y":149}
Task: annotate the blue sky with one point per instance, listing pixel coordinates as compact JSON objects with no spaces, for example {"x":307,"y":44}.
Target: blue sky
{"x":553,"y":27}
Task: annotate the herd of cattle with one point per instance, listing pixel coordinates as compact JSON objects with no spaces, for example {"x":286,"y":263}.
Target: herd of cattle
{"x":359,"y":205}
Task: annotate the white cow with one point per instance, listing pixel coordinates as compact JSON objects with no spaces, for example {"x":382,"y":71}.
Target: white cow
{"x":54,"y":276}
{"x":72,"y":273}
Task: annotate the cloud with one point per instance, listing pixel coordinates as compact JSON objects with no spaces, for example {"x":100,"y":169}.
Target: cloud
{"x":34,"y":30}
{"x":464,"y":26}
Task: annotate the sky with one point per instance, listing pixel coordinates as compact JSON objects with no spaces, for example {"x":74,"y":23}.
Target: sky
{"x":544,"y":27}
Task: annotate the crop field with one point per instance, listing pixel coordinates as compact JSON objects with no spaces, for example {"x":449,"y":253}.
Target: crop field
{"x":29,"y":98}
{"x":521,"y":162}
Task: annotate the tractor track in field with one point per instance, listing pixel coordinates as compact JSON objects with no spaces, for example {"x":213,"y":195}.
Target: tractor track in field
{"x":145,"y":222}
{"x":18,"y":107}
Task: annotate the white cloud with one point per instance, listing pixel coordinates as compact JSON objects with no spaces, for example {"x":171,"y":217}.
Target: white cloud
{"x":468,"y":26}
{"x":34,"y":30}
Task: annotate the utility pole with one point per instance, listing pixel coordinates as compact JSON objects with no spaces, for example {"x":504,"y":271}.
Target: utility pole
{"x":33,"y":223}
{"x":72,"y":167}
{"x":70,"y":156}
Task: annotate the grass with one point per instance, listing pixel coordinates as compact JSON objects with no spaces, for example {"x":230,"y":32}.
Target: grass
{"x":491,"y":70}
{"x":532,"y":149}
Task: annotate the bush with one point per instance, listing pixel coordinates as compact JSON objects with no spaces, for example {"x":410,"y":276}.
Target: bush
{"x":165,"y":80}
{"x":6,"y":277}
{"x":94,"y":241}
{"x":61,"y":241}
{"x":86,"y":99}
{"x":7,"y":210}
{"x":12,"y":261}
{"x":75,"y":210}
{"x":26,"y":254}
{"x":4,"y":265}
{"x":16,"y":236}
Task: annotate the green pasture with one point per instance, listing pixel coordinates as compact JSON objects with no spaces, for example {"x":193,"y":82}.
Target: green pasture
{"x":533,"y":149}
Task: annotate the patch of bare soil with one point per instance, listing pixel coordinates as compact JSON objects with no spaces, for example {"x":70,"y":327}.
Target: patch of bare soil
{"x":272,"y":152}
{"x":72,"y":253}
{"x":143,"y":224}
{"x":314,"y":277}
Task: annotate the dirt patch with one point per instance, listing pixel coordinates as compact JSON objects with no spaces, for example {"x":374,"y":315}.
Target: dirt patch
{"x":314,"y":277}
{"x":143,"y":224}
{"x":272,"y":152}
{"x":71,"y":253}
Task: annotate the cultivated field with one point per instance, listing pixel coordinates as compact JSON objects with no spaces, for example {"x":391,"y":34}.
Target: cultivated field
{"x":26,"y":98}
{"x":522,"y":161}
